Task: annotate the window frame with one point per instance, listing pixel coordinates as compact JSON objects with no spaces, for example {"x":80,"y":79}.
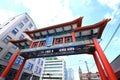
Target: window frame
{"x":6,"y":39}
{"x":17,"y":61}
{"x":20,"y":25}
{"x":21,"y":36}
{"x":8,"y":56}
{"x":15,"y":31}
{"x":25,"y":20}
{"x":30,"y":25}
{"x":36,"y":69}
{"x":29,"y":66}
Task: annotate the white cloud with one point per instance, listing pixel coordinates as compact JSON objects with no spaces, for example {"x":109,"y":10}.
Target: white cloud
{"x":48,"y":12}
{"x":5,"y":14}
{"x":114,"y":5}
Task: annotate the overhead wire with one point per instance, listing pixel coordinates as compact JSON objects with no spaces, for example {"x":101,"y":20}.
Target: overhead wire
{"x":112,"y":36}
{"x":114,"y":31}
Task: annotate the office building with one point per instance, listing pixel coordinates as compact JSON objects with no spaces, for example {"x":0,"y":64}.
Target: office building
{"x":14,"y":29}
{"x":69,"y":74}
{"x":54,"y":69}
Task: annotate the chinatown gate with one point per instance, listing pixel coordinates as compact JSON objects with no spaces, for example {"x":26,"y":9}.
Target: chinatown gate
{"x":68,"y":38}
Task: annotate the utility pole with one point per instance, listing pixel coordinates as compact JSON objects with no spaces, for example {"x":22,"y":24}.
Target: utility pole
{"x":88,"y":74}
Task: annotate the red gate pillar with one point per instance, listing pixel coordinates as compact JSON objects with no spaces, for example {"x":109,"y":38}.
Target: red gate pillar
{"x":11,"y":62}
{"x":20,"y":70}
{"x":99,"y":66}
{"x":107,"y":67}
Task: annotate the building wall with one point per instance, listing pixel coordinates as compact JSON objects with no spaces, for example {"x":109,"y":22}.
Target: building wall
{"x":116,"y":66}
{"x":93,"y":76}
{"x":54,"y":69}
{"x":14,"y":29}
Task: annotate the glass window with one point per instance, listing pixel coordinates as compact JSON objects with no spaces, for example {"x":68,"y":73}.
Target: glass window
{"x":30,"y":25}
{"x":1,"y":49}
{"x":25,"y":19}
{"x":8,"y":56}
{"x":18,"y":60}
{"x":38,"y":61}
{"x":21,"y":36}
{"x":29,"y":66}
{"x":41,"y":63}
{"x":39,"y":70}
{"x":15,"y":47}
{"x":15,"y":31}
{"x":21,"y":61}
{"x":36,"y":69}
{"x":20,"y":25}
{"x":6,"y":39}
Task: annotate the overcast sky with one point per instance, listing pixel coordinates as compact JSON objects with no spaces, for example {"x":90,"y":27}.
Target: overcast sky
{"x":50,"y":12}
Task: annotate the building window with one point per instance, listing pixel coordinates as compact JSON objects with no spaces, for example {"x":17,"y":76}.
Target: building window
{"x":36,"y":69}
{"x":25,"y":19}
{"x":8,"y":56}
{"x":18,"y":60}
{"x":20,"y":25}
{"x":6,"y":39}
{"x":21,"y":36}
{"x":15,"y":31}
{"x":1,"y":49}
{"x":30,"y":25}
{"x":14,"y":47}
{"x":29,"y":66}
{"x":39,"y":70}
{"x":38,"y":61}
{"x":41,"y":63}
{"x":21,"y":61}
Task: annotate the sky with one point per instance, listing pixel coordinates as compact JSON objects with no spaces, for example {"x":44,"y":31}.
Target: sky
{"x":50,"y":12}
